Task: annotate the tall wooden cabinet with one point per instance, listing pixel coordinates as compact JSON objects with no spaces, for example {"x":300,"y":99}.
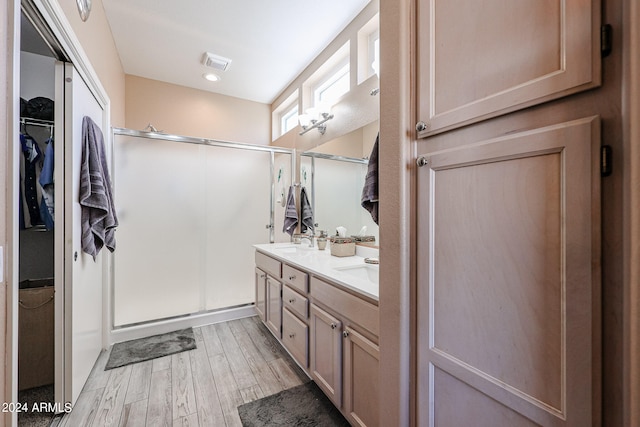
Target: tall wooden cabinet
{"x":480,"y":59}
{"x":508,"y":214}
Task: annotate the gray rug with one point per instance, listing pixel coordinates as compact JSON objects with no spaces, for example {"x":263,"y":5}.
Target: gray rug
{"x":38,"y":395}
{"x":134,"y":351}
{"x":304,"y":405}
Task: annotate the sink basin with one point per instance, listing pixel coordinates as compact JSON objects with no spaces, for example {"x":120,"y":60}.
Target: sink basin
{"x":287,"y":249}
{"x":362,"y":271}
{"x":301,"y":249}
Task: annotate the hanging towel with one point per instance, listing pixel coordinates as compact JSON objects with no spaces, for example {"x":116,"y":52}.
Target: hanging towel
{"x":369,"y":197}
{"x":307,"y":212}
{"x":98,"y":215}
{"x":290,"y":213}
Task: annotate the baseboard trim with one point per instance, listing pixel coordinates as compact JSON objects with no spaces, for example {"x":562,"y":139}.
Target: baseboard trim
{"x":163,"y":326}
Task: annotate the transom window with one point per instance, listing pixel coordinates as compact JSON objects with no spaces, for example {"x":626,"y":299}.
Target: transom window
{"x":289,"y":119}
{"x":333,"y":87}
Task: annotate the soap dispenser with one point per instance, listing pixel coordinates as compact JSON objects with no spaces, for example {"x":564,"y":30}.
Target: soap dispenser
{"x":322,"y":240}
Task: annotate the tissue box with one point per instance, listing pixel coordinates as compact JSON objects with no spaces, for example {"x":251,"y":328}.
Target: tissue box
{"x":342,"y":246}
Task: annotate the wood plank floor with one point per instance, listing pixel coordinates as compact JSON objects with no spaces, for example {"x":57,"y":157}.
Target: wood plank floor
{"x":234,"y":363}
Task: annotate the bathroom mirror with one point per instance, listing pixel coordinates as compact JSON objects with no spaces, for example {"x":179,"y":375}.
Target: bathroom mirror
{"x":333,"y":174}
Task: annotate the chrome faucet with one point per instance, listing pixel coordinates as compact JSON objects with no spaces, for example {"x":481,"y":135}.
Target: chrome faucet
{"x":308,"y":237}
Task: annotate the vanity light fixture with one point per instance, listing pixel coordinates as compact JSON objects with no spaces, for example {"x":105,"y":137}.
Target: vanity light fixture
{"x":211,"y":77}
{"x":313,"y":120}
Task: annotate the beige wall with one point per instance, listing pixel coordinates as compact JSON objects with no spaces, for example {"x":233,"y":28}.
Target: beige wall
{"x":97,"y":41}
{"x":184,"y":111}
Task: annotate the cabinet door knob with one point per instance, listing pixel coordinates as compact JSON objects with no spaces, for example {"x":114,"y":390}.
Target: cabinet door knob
{"x":345,"y":334}
{"x":291,"y":301}
{"x":292,"y":335}
{"x":422,"y":161}
{"x":333,"y":326}
{"x":421,"y":126}
{"x":262,"y":276}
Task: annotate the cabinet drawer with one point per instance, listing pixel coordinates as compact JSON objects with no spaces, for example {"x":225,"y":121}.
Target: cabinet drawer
{"x":295,"y":337}
{"x":296,"y":278}
{"x":268,"y":264}
{"x":295,"y":302}
{"x":350,"y":306}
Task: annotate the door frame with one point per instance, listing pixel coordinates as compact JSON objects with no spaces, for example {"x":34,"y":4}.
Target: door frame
{"x":53,"y":15}
{"x":631,"y":134}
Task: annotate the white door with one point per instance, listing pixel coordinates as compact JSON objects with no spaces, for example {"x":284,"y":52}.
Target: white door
{"x":80,"y":292}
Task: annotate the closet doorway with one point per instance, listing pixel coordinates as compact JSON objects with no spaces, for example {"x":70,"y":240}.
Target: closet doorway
{"x":37,"y":225}
{"x":50,"y":266}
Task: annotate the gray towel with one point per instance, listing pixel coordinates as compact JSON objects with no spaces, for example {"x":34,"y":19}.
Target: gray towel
{"x":290,"y":213}
{"x":98,"y":215}
{"x":307,"y":212}
{"x":369,"y":197}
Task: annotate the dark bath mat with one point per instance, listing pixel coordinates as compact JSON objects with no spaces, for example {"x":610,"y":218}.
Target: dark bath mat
{"x":28,"y":417}
{"x":134,"y":351}
{"x":304,"y":405}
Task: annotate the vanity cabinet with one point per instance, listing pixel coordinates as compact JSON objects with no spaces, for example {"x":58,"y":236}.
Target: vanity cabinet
{"x":344,"y":352}
{"x":326,"y":353}
{"x":360,"y":378}
{"x":269,"y":292}
{"x":274,"y":306}
{"x":261,"y":293}
{"x":330,"y":331}
{"x":295,"y":337}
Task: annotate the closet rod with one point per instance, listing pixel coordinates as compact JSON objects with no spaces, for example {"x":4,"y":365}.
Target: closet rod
{"x":201,"y":141}
{"x":36,"y":122}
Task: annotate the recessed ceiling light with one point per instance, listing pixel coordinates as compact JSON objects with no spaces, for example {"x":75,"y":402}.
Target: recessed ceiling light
{"x":211,"y":77}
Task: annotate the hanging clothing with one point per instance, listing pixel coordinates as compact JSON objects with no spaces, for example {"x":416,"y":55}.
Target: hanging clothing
{"x":46,"y":184}
{"x":369,"y":199}
{"x":290,"y":213}
{"x":98,"y":215}
{"x":307,"y":212}
{"x":32,"y":155}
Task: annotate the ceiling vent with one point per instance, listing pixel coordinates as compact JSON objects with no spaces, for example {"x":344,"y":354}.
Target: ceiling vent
{"x":215,"y":61}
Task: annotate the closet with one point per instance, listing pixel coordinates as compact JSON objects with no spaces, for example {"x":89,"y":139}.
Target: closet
{"x":36,"y":348}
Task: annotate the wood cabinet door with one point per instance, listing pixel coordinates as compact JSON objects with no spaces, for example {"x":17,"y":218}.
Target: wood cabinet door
{"x":326,"y":353}
{"x":479,"y":59}
{"x":274,"y":306}
{"x":261,"y":291}
{"x":508,"y":296}
{"x":295,"y":337}
{"x":360,"y":379}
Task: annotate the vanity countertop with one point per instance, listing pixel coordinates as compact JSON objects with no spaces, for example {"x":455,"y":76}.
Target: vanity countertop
{"x":350,"y":272}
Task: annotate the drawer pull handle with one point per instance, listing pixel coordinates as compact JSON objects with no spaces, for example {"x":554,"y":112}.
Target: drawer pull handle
{"x":333,"y":326}
{"x":292,"y":300}
{"x":292,"y":277}
{"x":292,"y":336}
{"x":345,"y":334}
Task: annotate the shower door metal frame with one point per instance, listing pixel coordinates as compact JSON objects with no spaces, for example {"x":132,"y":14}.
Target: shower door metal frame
{"x":198,"y":141}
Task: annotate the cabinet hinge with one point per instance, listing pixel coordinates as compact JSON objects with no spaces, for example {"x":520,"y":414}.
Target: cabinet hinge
{"x":605,"y":40}
{"x":605,"y":160}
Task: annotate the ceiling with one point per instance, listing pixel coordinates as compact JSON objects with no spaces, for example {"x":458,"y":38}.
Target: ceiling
{"x":269,"y":42}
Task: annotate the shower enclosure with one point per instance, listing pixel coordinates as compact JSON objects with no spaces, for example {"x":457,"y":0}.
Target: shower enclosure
{"x":190,"y":210}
